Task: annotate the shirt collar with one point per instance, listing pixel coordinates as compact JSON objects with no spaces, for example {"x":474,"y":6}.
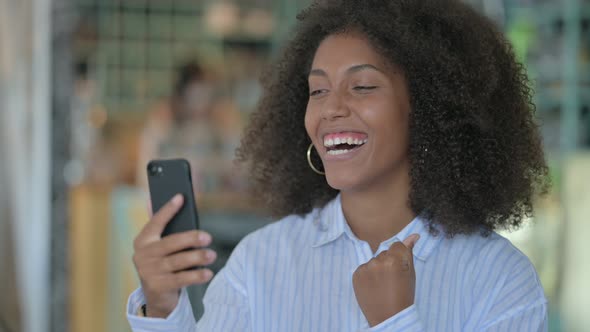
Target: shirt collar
{"x":331,"y":224}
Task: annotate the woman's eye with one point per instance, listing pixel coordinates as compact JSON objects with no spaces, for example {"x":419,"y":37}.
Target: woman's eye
{"x":364,"y":87}
{"x":316,"y":92}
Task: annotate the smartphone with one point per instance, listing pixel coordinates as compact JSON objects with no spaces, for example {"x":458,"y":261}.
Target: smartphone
{"x":167,"y":178}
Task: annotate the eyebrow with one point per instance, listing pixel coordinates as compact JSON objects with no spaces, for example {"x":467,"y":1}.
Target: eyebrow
{"x":353,"y":69}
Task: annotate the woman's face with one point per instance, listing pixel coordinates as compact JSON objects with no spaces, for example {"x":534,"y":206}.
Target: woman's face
{"x":357,"y":113}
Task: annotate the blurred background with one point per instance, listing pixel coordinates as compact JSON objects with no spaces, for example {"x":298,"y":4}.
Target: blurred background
{"x":90,"y":90}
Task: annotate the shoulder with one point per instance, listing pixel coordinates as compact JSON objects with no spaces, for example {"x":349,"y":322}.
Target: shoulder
{"x":497,"y":252}
{"x":496,"y":268}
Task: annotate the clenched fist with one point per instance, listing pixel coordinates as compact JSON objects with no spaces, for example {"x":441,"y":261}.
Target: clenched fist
{"x":385,"y":285}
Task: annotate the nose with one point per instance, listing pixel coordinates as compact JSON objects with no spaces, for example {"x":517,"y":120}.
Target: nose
{"x":335,"y":107}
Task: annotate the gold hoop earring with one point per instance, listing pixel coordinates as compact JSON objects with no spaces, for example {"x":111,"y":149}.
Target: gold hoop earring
{"x":310,"y":163}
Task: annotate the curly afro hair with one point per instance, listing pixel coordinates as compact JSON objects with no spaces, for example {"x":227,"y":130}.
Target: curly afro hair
{"x":475,"y":151}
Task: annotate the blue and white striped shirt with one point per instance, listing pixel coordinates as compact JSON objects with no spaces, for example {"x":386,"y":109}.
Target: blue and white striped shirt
{"x":296,"y":275}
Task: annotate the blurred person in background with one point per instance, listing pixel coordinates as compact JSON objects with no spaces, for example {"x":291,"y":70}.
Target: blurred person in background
{"x":185,"y":125}
{"x":393,"y":139}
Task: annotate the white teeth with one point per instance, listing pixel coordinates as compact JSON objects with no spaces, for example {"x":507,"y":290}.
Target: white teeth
{"x":337,"y":152}
{"x":344,"y":140}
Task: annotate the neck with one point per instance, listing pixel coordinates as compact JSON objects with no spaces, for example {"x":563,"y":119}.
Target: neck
{"x":379,"y":211}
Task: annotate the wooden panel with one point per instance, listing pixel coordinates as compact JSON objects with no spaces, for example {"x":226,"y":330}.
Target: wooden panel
{"x":90,"y":211}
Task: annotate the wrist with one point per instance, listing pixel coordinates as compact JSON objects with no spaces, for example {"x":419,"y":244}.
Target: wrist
{"x":154,"y":313}
{"x":161,"y":307}
{"x":380,"y":317}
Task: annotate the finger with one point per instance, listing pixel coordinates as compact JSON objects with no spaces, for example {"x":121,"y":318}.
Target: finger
{"x":401,"y":255}
{"x":382,"y":255}
{"x":178,"y":280}
{"x":191,"y":277}
{"x":185,"y":240}
{"x":411,"y":240}
{"x":397,"y":248}
{"x":177,"y":242}
{"x":152,"y":231}
{"x":188,"y":259}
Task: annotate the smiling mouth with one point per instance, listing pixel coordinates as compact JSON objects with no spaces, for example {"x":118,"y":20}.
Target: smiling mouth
{"x":342,"y":143}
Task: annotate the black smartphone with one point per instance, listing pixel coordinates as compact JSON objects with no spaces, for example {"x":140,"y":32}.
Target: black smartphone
{"x":167,"y":178}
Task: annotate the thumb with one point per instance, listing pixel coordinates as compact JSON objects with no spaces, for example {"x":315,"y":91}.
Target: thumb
{"x":411,"y":240}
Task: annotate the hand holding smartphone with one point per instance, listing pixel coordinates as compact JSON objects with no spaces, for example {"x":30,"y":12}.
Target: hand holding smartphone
{"x":170,"y":245}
